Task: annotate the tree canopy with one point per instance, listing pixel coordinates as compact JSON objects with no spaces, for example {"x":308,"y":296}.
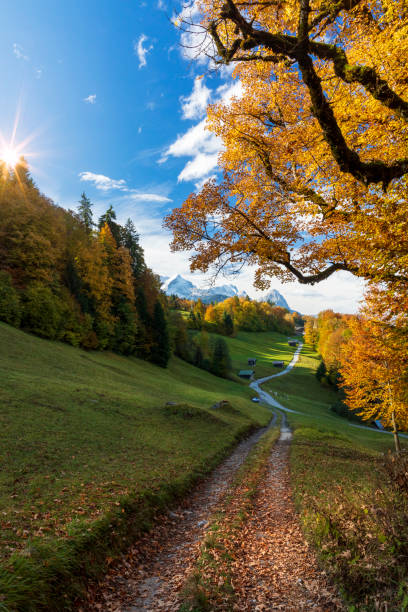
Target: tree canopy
{"x":315,"y":153}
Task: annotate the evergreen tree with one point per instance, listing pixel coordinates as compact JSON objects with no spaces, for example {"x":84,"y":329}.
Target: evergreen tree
{"x":228,"y":324}
{"x":221,"y":362}
{"x":160,"y":353}
{"x":130,"y":240}
{"x":198,"y":357}
{"x":321,"y":371}
{"x":144,"y":328}
{"x":110,"y":218}
{"x":85,"y":212}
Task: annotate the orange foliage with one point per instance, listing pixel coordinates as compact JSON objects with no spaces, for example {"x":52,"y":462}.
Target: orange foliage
{"x":314,"y":160}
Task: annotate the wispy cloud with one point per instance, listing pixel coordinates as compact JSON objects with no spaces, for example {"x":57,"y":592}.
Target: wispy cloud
{"x":102,"y":182}
{"x":38,"y":73}
{"x":105,"y":183}
{"x":194,"y":105}
{"x":142,"y":51}
{"x":91,"y":99}
{"x":200,"y":144}
{"x":19,"y":52}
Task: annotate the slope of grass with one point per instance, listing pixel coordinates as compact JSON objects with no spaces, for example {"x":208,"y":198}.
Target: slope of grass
{"x":265,"y":347}
{"x":87,"y":445}
{"x":350,"y":511}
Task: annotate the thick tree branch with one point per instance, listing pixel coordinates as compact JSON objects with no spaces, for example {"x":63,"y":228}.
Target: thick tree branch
{"x":299,"y":48}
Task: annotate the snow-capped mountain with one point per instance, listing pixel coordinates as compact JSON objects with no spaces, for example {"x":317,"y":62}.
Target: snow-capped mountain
{"x":183,"y":288}
{"x":177,"y":285}
{"x":276,"y":298}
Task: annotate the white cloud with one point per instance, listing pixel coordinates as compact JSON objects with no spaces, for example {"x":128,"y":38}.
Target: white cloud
{"x":142,"y":51}
{"x":19,"y":52}
{"x":38,"y":73}
{"x":102,"y":182}
{"x":199,"y":167}
{"x":105,"y":183}
{"x":196,"y":140}
{"x":199,"y":143}
{"x":161,"y":5}
{"x":91,"y":99}
{"x":148,"y":197}
{"x":194,"y":105}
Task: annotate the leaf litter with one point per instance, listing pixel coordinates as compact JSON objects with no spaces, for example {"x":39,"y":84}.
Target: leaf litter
{"x":272,"y":566}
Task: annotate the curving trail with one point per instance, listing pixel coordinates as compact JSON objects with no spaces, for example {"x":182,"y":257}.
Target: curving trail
{"x":266,"y":397}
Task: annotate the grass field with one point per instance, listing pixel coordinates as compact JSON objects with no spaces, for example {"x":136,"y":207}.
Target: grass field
{"x":349,"y":508}
{"x":86,"y":436}
{"x":266,"y":347}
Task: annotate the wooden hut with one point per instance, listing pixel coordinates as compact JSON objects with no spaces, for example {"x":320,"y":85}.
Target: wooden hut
{"x":246,"y":374}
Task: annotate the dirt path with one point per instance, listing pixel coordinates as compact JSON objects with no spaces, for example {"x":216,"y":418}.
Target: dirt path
{"x":152,"y":572}
{"x":274,"y":568}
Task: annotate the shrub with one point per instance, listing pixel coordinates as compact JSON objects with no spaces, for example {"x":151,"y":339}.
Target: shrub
{"x":10,"y":308}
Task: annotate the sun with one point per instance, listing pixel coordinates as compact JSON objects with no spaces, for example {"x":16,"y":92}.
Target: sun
{"x":10,"y":156}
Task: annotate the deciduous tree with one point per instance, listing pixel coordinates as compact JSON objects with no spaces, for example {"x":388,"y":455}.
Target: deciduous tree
{"x":315,"y":161}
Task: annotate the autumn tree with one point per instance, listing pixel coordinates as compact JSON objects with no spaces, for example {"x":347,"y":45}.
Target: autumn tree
{"x":314,"y":160}
{"x":61,"y":280}
{"x":375,"y":373}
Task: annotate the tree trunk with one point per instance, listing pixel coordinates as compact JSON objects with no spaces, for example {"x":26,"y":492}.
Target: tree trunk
{"x":395,"y":432}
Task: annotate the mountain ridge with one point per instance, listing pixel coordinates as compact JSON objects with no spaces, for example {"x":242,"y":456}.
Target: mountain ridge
{"x":183,"y":288}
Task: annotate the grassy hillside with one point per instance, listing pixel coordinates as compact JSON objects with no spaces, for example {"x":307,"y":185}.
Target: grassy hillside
{"x":349,"y":507}
{"x":266,"y":347}
{"x":87,"y":441}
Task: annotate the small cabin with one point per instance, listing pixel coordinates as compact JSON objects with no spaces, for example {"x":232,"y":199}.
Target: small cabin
{"x":278,"y":364}
{"x":293,"y":342}
{"x":246,"y":374}
{"x":252,"y":362}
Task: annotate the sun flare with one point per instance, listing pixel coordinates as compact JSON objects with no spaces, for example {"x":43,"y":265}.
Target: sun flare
{"x":10,"y":156}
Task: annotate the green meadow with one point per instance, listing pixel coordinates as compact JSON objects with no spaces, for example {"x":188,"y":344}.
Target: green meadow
{"x":266,"y":347}
{"x":88,"y":448}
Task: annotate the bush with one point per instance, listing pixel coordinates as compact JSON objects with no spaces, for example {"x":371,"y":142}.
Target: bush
{"x":10,"y":308}
{"x":42,"y":312}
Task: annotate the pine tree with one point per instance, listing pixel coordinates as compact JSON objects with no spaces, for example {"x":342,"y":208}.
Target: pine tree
{"x":160,"y":353}
{"x":85,"y":212}
{"x":130,"y":240}
{"x":228,"y":324}
{"x":221,"y":362}
{"x":110,"y":218}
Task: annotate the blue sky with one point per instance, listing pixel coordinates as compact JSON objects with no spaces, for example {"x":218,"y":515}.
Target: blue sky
{"x":112,"y":105}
